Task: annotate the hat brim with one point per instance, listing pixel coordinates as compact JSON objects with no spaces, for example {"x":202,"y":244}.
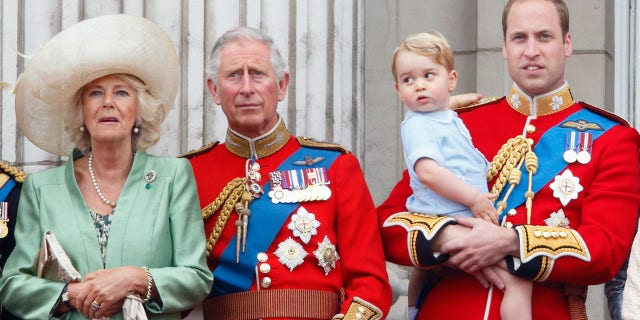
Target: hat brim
{"x":86,"y":51}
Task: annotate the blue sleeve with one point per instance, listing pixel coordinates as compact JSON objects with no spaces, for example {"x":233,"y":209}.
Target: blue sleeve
{"x":420,"y":140}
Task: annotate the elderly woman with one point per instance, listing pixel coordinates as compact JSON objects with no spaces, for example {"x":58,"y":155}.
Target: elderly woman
{"x":128,"y":221}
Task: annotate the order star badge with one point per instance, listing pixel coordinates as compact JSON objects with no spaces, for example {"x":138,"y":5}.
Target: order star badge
{"x":327,"y":255}
{"x":290,"y":253}
{"x":566,"y":187}
{"x":557,"y":219}
{"x":304,"y":224}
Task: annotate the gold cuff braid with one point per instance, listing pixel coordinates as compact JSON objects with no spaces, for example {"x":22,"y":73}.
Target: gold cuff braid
{"x":360,"y":310}
{"x":546,"y":265}
{"x":552,"y":242}
{"x":428,"y":224}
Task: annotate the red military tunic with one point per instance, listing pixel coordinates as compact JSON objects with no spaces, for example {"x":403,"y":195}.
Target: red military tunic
{"x":586,"y":239}
{"x":346,"y":220}
{"x":11,"y":179}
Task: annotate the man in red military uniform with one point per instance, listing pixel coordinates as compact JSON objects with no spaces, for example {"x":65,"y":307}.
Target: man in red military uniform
{"x":292,"y":229}
{"x":11,"y":179}
{"x":568,"y":184}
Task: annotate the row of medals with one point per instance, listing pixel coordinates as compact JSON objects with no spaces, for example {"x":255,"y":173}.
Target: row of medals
{"x":313,"y":192}
{"x":4,"y":219}
{"x":578,"y":147}
{"x":308,"y":192}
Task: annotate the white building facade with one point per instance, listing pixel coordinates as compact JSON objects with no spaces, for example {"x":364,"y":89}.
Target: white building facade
{"x":339,"y":57}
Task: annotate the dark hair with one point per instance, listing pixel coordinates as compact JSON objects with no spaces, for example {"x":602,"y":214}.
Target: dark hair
{"x":561,"y":7}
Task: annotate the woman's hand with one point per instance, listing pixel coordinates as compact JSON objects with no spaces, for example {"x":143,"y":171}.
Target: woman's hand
{"x":102,"y":293}
{"x":79,"y":297}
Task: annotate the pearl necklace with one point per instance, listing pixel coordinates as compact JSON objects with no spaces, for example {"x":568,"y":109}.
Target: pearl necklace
{"x":95,"y":184}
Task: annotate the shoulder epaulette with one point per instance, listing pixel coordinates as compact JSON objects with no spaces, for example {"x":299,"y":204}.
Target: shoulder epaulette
{"x":480,"y":103}
{"x":15,"y":172}
{"x":608,"y":114}
{"x":203,"y":149}
{"x":313,"y":143}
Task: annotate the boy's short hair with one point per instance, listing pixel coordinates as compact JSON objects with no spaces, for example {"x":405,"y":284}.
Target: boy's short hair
{"x":431,"y":44}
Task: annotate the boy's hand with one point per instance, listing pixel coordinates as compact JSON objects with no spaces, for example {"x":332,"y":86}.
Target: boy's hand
{"x":483,"y":207}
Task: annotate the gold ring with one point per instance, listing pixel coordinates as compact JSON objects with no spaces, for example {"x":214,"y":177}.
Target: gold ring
{"x":95,"y":305}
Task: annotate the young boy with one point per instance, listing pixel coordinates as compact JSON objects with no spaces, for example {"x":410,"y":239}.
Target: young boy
{"x":447,"y":173}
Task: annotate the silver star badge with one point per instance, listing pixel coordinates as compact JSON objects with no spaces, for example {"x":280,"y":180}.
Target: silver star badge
{"x":290,"y":253}
{"x":557,"y":219}
{"x":304,"y":225}
{"x":566,"y":187}
{"x":327,"y":255}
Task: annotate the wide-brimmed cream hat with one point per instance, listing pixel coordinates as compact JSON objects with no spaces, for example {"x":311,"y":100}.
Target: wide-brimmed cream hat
{"x":86,"y":51}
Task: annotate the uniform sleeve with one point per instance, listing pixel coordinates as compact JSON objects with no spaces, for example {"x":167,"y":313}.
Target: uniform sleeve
{"x":21,"y":292}
{"x":601,"y":234}
{"x":188,"y":280}
{"x":362,"y":258}
{"x":407,"y":236}
{"x":8,"y":243}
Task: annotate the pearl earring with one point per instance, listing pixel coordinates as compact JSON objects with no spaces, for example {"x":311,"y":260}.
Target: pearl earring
{"x":135,"y":130}
{"x":81,"y":128}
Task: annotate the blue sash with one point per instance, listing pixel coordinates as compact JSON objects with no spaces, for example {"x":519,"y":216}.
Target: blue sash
{"x":267,"y":218}
{"x":549,"y":150}
{"x":8,"y":186}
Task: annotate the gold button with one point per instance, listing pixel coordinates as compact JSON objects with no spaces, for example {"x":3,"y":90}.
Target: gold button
{"x":512,"y":212}
{"x":262,"y":257}
{"x":531,"y":128}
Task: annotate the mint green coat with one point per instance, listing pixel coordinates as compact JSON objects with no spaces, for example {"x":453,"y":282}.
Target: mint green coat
{"x":159,"y":227}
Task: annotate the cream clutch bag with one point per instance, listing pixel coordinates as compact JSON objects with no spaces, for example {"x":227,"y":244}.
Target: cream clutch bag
{"x":53,"y":262}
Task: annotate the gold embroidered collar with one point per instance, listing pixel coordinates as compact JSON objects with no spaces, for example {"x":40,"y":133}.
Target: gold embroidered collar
{"x":260,"y":147}
{"x":552,"y":102}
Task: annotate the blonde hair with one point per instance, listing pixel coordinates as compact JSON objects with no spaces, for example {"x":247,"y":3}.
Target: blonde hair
{"x":432,"y":45}
{"x":150,"y":116}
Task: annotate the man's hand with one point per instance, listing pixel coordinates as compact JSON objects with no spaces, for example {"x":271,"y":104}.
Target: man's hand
{"x":463,"y":100}
{"x":485,"y":244}
{"x":489,"y":275}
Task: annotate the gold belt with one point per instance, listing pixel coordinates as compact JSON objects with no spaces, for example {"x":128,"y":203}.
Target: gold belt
{"x":281,"y":303}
